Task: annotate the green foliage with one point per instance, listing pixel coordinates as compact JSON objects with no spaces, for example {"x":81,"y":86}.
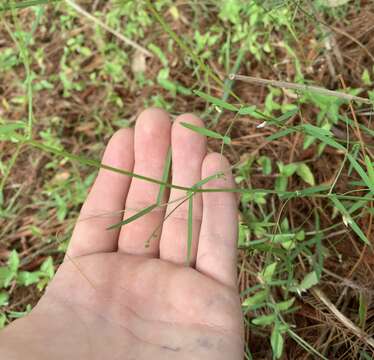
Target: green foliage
{"x":12,"y":273}
{"x":249,"y":20}
{"x":286,"y":171}
{"x":134,"y":217}
{"x":245,"y":35}
{"x":203,"y":42}
{"x":277,"y":342}
{"x":8,"y":60}
{"x":258,"y":299}
{"x":9,"y":272}
{"x":221,"y":104}
{"x":305,"y":174}
{"x":268,"y":273}
{"x":4,"y":298}
{"x":309,"y":281}
{"x":265,"y":164}
{"x":206,"y":132}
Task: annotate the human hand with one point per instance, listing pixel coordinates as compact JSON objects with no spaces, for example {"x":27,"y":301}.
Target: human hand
{"x":114,"y":297}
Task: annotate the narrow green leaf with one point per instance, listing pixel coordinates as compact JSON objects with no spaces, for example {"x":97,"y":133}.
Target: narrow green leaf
{"x":252,"y":111}
{"x":26,"y":278}
{"x":207,"y":132}
{"x":284,"y":305}
{"x":348,"y":220}
{"x":287,"y":115}
{"x":309,"y":281}
{"x":265,"y":163}
{"x":281,"y":183}
{"x":313,"y":190}
{"x":289,"y":169}
{"x":361,"y":172}
{"x":139,"y":214}
{"x":280,"y":238}
{"x":4,"y":298}
{"x":264,"y":320}
{"x":202,"y":182}
{"x":47,"y":268}
{"x":254,"y":300}
{"x":165,"y":177}
{"x":248,"y":110}
{"x":352,"y":124}
{"x":91,"y":162}
{"x":6,"y":276}
{"x":323,"y":135}
{"x":19,"y":314}
{"x":7,"y":129}
{"x":277,"y":342}
{"x":3,"y":321}
{"x":25,"y":4}
{"x":268,"y":272}
{"x":159,"y":53}
{"x":280,"y":134}
{"x":216,"y":101}
{"x":13,"y":261}
{"x":229,"y":83}
{"x":354,"y":152}
{"x":305,"y":173}
{"x":370,"y":168}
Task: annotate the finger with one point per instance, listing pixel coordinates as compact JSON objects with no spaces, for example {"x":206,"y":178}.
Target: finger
{"x":188,"y":150}
{"x":152,"y":142}
{"x":105,"y":202}
{"x":217,"y":252}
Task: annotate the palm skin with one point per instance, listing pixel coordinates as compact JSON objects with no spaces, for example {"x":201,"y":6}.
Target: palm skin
{"x":114,"y":297}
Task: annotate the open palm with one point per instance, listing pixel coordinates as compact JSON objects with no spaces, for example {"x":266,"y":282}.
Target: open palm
{"x":127,"y":293}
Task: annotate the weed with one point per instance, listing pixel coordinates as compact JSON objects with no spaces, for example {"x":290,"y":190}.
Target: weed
{"x":305,"y":181}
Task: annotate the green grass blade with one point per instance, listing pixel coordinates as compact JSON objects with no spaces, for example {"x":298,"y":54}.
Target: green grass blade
{"x":323,"y":135}
{"x":352,"y":124}
{"x":216,"y":101}
{"x":97,"y":164}
{"x":185,"y":47}
{"x":228,"y":83}
{"x":25,"y":4}
{"x":287,"y":115}
{"x":349,"y":221}
{"x":207,"y":132}
{"x":202,"y":182}
{"x":361,"y":172}
{"x":9,"y":129}
{"x":136,"y":216}
{"x":165,"y":177}
{"x":280,"y":134}
{"x":94,"y":163}
{"x":370,"y":168}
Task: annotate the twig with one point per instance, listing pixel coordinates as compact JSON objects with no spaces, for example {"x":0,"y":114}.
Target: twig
{"x":358,"y":131}
{"x":319,"y":294}
{"x":350,"y":37}
{"x":108,"y":28}
{"x":300,"y":87}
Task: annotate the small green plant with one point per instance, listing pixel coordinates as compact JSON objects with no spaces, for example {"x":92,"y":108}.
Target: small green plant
{"x":194,"y":52}
{"x":12,"y":273}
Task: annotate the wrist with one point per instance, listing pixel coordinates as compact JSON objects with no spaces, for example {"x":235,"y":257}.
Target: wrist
{"x":38,"y":336}
{"x":22,"y":339}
